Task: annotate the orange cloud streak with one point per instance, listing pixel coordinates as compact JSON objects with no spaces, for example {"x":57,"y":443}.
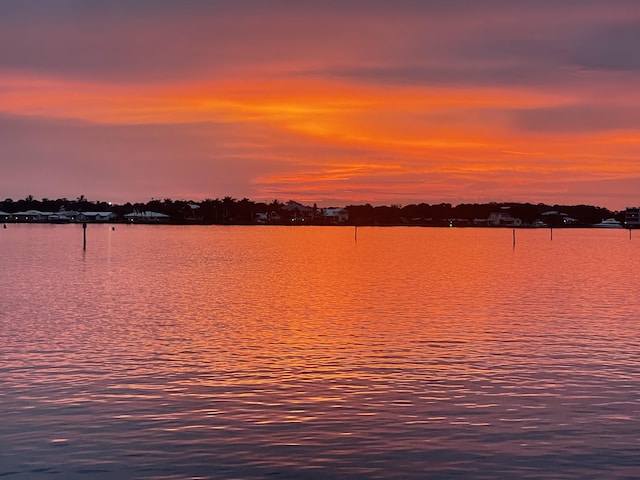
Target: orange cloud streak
{"x":405,"y":134}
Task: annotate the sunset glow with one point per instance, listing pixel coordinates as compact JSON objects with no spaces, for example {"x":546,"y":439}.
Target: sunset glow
{"x":321,"y":102}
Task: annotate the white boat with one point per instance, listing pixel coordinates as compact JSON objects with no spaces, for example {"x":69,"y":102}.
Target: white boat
{"x":609,"y":223}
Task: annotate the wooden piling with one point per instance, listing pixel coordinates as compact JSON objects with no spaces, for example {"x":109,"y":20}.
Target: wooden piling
{"x":84,"y":236}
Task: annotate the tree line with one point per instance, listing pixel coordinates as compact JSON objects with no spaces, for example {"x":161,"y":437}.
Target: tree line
{"x":229,"y":210}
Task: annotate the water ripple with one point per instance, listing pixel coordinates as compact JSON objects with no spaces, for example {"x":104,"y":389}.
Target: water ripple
{"x":173,"y":352}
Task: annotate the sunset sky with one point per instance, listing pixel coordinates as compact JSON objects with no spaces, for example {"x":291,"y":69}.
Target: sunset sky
{"x":332,"y":102}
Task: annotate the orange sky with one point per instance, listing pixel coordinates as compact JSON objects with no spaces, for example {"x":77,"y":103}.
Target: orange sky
{"x":328,"y":102}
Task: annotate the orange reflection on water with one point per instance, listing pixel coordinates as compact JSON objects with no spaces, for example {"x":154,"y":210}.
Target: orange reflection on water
{"x":245,"y":340}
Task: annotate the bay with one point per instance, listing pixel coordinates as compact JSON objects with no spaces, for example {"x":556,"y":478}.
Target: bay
{"x":310,"y":352}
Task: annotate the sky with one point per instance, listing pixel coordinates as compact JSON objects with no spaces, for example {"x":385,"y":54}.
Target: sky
{"x":328,"y":102}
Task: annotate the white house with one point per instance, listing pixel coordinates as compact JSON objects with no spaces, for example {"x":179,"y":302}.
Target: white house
{"x":297,"y":212}
{"x":32,"y":216}
{"x":96,"y":217}
{"x":503,"y":219}
{"x":336,"y":215}
{"x":292,"y":206}
{"x":265,"y":218}
{"x":146,"y":216}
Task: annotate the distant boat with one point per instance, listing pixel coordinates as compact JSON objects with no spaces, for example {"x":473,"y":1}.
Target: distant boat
{"x":539,"y":224}
{"x":609,"y":223}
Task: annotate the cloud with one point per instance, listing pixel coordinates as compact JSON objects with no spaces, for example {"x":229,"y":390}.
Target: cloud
{"x":610,"y":48}
{"x":123,"y":41}
{"x":408,"y":42}
{"x":56,"y":158}
{"x":577,"y":119}
{"x":448,"y":76}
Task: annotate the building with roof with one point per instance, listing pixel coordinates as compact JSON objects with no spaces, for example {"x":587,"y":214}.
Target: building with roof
{"x":146,"y":216}
{"x":192,"y":213}
{"x":335,"y":216}
{"x":31,"y":216}
{"x":97,"y":217}
{"x":503,"y":218}
{"x":632,"y":217}
{"x":297,"y":212}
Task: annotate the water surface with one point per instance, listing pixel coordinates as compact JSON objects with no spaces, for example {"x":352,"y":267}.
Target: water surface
{"x":167,"y":352}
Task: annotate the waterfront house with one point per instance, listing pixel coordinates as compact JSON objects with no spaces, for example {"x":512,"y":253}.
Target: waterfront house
{"x":502,"y":218}
{"x":146,"y":216}
{"x":31,"y":216}
{"x":72,"y":215}
{"x":632,"y":217}
{"x":263,"y":218}
{"x":63,"y":216}
{"x":335,"y":216}
{"x":297,"y":212}
{"x":192,"y":214}
{"x":97,"y":217}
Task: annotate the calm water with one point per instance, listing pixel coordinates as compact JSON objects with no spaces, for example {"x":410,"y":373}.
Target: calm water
{"x":279,"y":352}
